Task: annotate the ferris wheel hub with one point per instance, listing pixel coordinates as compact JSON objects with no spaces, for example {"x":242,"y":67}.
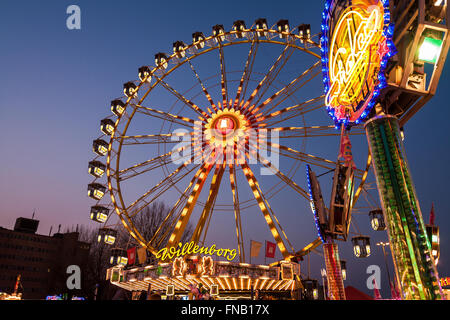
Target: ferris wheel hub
{"x":225,"y":128}
{"x":225,"y":125}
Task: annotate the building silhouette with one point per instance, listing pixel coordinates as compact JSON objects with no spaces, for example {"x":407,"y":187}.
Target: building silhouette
{"x":41,"y":261}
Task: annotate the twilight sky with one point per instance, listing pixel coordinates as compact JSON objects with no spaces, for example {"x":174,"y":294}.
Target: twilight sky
{"x":56,"y":85}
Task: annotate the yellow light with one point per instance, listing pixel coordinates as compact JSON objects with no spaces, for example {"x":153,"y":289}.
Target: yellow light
{"x":368,"y":249}
{"x":102,"y":150}
{"x":109,"y":128}
{"x":98,"y":171}
{"x":119,"y":109}
{"x":98,"y":194}
{"x":100,"y":217}
{"x":110,"y":239}
{"x":357,"y":250}
{"x":228,"y":283}
{"x":375,"y":224}
{"x":263,"y":283}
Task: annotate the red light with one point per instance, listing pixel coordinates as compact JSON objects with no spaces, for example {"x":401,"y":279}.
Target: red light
{"x":224,"y":125}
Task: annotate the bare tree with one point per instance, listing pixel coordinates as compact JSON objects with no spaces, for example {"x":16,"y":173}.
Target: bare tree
{"x":153,"y":219}
{"x":94,"y":269}
{"x":147,"y":223}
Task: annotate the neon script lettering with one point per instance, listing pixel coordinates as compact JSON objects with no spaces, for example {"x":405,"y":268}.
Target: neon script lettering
{"x":192,"y":248}
{"x":352,"y":50}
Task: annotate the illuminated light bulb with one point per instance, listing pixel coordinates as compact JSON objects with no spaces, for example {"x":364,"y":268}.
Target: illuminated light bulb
{"x":430,"y":50}
{"x":375,"y":224}
{"x":434,"y":238}
{"x":99,"y":171}
{"x":117,"y":107}
{"x":315,"y":294}
{"x":357,"y":250}
{"x":110,"y":239}
{"x":225,"y":125}
{"x":98,"y":194}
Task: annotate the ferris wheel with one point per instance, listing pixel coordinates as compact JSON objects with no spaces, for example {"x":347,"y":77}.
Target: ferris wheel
{"x":200,"y":122}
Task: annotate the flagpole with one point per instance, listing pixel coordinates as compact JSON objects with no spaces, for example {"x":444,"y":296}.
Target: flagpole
{"x":340,"y":142}
{"x":250,"y":251}
{"x":265,"y":251}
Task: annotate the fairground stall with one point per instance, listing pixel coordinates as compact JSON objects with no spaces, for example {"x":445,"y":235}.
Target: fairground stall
{"x":204,"y":278}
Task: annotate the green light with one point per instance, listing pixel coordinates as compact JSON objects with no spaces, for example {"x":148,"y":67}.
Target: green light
{"x":429,"y":50}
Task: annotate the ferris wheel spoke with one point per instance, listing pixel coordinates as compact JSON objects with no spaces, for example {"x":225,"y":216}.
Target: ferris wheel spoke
{"x":189,"y":207}
{"x":295,"y":114}
{"x":180,"y":202}
{"x":148,"y":165}
{"x":280,"y":96}
{"x":253,"y":152}
{"x":291,"y":112}
{"x":223,"y":76}
{"x":213,"y":191}
{"x":184,"y":121}
{"x":264,"y":206}
{"x":363,"y":179}
{"x":311,"y":131}
{"x":153,"y":138}
{"x":270,"y":76}
{"x":205,"y":91}
{"x":298,"y":155}
{"x":208,"y":223}
{"x":237,"y":213}
{"x":162,"y":186}
{"x":160,"y":237}
{"x":304,"y":157}
{"x":202,"y":114}
{"x":242,"y":89}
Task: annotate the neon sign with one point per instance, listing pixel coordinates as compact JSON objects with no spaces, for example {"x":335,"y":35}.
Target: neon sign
{"x":356,"y":45}
{"x":445,"y":282}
